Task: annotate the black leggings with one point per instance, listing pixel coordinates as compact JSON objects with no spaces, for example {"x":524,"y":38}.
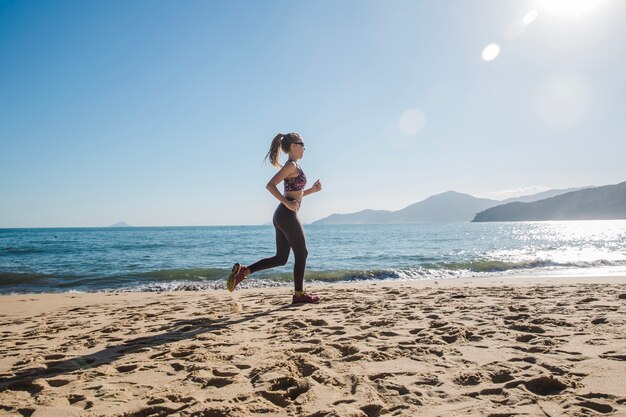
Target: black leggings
{"x":289,"y":235}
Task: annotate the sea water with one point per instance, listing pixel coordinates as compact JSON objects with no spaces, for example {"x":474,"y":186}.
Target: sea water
{"x":200,"y":258}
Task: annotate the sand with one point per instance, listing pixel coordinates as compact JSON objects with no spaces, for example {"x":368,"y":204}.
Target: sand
{"x":485,"y":347}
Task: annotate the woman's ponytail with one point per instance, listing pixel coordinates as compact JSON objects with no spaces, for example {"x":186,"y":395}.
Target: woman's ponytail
{"x":272,"y":155}
{"x":281,"y":141}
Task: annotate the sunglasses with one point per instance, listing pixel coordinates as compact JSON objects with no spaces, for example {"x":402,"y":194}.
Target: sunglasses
{"x":299,"y":143}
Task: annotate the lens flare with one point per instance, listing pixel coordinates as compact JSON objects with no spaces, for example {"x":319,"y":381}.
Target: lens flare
{"x":412,"y":121}
{"x":531,"y":16}
{"x":491,"y":52}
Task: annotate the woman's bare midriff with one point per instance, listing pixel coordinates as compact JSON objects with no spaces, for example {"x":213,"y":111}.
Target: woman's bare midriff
{"x":296,"y":195}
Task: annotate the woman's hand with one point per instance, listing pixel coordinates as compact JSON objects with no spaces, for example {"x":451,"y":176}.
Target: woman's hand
{"x":317,"y":186}
{"x":292,"y":205}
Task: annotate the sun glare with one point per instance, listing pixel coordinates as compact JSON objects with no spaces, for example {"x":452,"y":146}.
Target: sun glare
{"x":570,"y":8}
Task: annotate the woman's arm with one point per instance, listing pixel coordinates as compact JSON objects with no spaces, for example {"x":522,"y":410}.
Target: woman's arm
{"x":317,"y":186}
{"x":272,"y":186}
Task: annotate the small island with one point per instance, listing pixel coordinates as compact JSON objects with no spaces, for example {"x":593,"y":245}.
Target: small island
{"x":121,"y":224}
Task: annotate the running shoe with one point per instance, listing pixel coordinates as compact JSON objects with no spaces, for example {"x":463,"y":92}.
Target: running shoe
{"x":236,"y":276}
{"x":305,"y":298}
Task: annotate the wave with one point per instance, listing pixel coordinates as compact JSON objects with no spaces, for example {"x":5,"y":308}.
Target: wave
{"x":25,"y":250}
{"x":195,"y":274}
{"x":489,"y":265}
{"x":199,"y":279}
{"x":7,"y":279}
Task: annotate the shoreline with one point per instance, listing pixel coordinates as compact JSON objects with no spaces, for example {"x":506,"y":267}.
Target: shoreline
{"x":555,"y":276}
{"x":529,"y":345}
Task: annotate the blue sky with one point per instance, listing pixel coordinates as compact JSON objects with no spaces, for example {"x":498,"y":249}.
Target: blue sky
{"x":160,"y":112}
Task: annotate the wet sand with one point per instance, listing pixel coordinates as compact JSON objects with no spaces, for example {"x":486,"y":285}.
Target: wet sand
{"x":481,"y":347}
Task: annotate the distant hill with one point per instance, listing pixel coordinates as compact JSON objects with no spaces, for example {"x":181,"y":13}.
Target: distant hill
{"x":446,"y":207}
{"x":542,"y":196}
{"x":450,"y":206}
{"x":360,"y":217}
{"x":598,"y":203}
{"x":121,"y":224}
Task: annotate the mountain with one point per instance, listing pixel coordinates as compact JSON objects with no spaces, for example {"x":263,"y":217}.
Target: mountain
{"x":121,"y":224}
{"x":543,"y":195}
{"x":598,"y":203}
{"x":446,"y":207}
{"x":360,"y":217}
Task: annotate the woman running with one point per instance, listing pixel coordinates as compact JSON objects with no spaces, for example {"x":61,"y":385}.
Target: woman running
{"x":289,"y":232}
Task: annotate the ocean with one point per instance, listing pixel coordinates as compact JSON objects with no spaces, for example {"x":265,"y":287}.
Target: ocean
{"x":200,"y":258}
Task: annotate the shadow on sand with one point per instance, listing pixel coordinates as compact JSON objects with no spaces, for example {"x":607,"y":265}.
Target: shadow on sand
{"x":174,"y":332}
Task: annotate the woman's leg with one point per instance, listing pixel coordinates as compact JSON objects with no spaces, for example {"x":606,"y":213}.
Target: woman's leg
{"x":290,"y":226}
{"x":281,"y":257}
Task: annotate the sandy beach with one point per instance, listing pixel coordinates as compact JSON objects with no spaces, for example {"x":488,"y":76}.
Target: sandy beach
{"x":482,"y":347}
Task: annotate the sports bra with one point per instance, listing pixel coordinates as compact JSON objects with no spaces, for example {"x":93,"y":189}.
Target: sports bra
{"x":296,"y":183}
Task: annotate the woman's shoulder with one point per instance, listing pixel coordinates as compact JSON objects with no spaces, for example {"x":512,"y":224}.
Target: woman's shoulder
{"x":292,"y":165}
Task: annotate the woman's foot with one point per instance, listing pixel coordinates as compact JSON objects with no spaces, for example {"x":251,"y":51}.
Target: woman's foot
{"x":238,"y":274}
{"x":301,"y":297}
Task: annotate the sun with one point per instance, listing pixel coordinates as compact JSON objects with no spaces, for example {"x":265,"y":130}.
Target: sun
{"x":570,"y":8}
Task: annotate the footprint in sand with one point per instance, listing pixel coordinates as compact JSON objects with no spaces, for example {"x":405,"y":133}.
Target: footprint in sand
{"x":209,"y":380}
{"x":501,"y":376}
{"x":58,"y":382}
{"x":284,"y":390}
{"x":126,"y":368}
{"x":295,"y":325}
{"x":173,"y":398}
{"x":527,"y":328}
{"x":468,"y":378}
{"x":613,"y":355}
{"x":599,"y":320}
{"x":556,"y":370}
{"x":437,"y":324}
{"x":525,"y":338}
{"x":345,"y":350}
{"x":595,"y":406}
{"x":428,"y":379}
{"x":75,"y":398}
{"x":488,"y":391}
{"x":182,"y":353}
{"x":316,"y":322}
{"x":225,"y":372}
{"x":177,"y":366}
{"x":527,"y":359}
{"x":26,"y":385}
{"x":303,"y":367}
{"x":545,"y":385}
